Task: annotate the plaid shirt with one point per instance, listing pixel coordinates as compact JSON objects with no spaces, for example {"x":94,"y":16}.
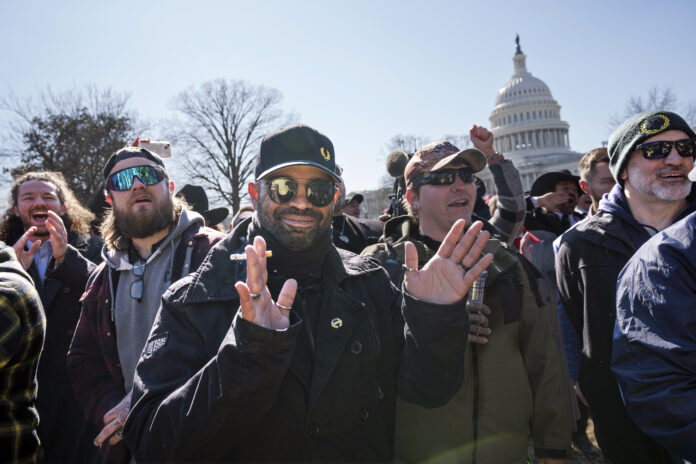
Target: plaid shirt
{"x":22,"y":330}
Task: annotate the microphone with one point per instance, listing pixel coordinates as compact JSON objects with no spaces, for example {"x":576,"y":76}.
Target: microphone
{"x":396,"y":163}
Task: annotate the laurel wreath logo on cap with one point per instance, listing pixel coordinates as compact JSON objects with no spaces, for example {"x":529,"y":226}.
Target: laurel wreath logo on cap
{"x":325,"y":153}
{"x":665,"y":125}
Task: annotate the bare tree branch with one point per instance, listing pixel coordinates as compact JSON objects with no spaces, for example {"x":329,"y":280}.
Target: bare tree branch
{"x":220,"y":127}
{"x":73,"y":132}
{"x":656,"y":99}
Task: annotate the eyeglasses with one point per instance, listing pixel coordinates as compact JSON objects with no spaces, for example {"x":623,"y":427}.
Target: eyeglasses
{"x":661,"y":149}
{"x":136,"y":290}
{"x":123,"y":179}
{"x":444,"y":177}
{"x":319,"y":192}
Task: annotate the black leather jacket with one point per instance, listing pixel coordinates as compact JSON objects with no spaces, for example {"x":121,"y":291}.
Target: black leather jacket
{"x":212,"y":386}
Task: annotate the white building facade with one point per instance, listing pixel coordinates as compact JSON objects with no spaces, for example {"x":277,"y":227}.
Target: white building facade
{"x":527,"y":126}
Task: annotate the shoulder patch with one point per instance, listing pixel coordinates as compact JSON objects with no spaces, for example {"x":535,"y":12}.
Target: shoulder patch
{"x":154,"y":344}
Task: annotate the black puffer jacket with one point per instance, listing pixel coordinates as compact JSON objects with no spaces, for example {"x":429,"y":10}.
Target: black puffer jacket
{"x":212,"y":386}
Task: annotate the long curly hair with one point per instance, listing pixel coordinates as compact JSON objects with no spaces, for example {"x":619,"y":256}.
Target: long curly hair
{"x":76,"y":218}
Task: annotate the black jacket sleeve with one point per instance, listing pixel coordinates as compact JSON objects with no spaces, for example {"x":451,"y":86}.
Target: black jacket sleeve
{"x":234,"y":389}
{"x":432,"y":366}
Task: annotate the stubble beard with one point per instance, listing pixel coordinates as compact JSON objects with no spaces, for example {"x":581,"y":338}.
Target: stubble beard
{"x":142,"y":224}
{"x":290,"y":238}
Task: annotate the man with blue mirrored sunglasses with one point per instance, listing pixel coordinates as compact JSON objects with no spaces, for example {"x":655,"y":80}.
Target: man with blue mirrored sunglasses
{"x":151,"y":240}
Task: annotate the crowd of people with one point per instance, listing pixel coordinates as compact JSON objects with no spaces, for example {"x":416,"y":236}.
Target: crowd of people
{"x":462,"y":331}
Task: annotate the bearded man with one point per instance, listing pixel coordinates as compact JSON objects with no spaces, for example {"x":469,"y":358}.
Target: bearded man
{"x":299,"y":355}
{"x":650,"y":156}
{"x":151,"y":240}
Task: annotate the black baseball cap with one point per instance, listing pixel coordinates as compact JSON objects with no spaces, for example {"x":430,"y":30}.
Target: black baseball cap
{"x":295,"y":145}
{"x":130,"y":152}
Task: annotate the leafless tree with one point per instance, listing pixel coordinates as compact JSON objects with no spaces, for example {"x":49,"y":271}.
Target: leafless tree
{"x":406,"y":142}
{"x":222,"y":123}
{"x":460,"y":141}
{"x":655,"y":99}
{"x":74,"y":132}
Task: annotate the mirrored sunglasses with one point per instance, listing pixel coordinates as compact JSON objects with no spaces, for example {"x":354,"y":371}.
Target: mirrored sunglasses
{"x":123,"y":179}
{"x":283,"y":190}
{"x":444,"y":177}
{"x":661,"y":149}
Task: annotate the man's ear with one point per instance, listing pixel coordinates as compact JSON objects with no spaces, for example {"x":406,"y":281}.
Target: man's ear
{"x":583,"y":185}
{"x":107,"y":197}
{"x":254,"y":193}
{"x":14,"y":210}
{"x":412,"y":198}
{"x":171,"y":186}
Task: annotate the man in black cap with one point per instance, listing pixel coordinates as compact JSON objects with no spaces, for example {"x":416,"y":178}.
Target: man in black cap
{"x":151,"y":241}
{"x":197,"y":199}
{"x":552,"y":201}
{"x":283,"y":348}
{"x":650,"y":156}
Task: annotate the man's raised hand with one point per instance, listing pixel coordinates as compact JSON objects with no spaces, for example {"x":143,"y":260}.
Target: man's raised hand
{"x":58,"y":236}
{"x":446,"y":278}
{"x":25,"y":257}
{"x":254,"y":298}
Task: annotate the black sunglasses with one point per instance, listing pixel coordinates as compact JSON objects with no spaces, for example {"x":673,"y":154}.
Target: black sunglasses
{"x":123,"y":179}
{"x":444,"y":177}
{"x":136,"y":290}
{"x":661,"y":149}
{"x":319,"y":192}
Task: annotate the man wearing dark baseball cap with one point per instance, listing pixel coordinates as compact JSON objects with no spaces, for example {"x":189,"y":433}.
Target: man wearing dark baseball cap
{"x":650,"y":156}
{"x":283,"y":348}
{"x":151,"y":240}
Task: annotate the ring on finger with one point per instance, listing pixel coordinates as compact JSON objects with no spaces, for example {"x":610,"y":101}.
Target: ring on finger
{"x":120,"y":432}
{"x":255,"y":296}
{"x":287,"y":308}
{"x":408,"y":269}
{"x":464,"y":266}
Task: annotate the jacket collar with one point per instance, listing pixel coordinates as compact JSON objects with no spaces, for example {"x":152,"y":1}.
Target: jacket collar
{"x":215,"y":278}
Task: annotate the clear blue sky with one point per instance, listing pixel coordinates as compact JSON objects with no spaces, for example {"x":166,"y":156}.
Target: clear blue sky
{"x":359,"y":71}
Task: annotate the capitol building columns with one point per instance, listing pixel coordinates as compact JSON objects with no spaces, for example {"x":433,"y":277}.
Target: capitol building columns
{"x":526,"y":122}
